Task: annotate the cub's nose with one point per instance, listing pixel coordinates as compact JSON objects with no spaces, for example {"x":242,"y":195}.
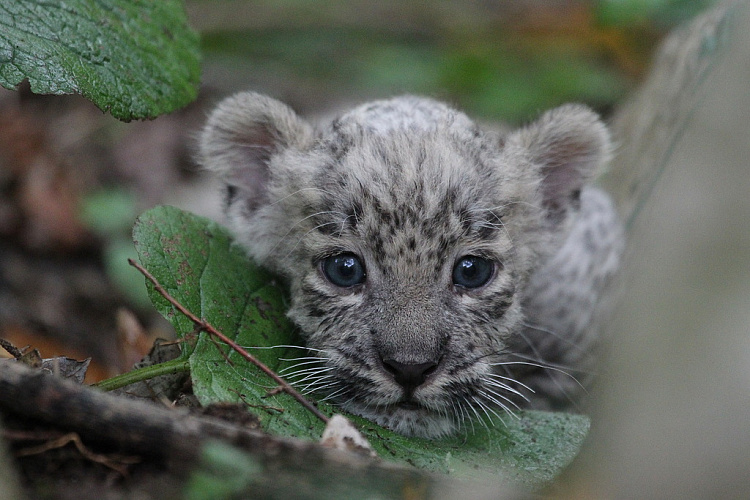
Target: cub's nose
{"x":409,"y":375}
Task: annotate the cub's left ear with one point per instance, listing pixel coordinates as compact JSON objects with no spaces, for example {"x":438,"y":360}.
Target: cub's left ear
{"x":568,"y":144}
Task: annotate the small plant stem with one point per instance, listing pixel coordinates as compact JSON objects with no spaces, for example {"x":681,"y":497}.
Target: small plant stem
{"x":205,"y":326}
{"x":145,"y":373}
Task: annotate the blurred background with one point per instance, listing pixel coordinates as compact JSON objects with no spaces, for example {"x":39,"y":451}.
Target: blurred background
{"x":72,"y":180}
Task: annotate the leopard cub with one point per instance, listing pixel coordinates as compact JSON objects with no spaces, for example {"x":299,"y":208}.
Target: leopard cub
{"x":439,"y":272}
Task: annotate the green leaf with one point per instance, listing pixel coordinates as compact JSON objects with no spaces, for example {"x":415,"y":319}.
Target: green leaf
{"x":133,"y":58}
{"x":197,"y":262}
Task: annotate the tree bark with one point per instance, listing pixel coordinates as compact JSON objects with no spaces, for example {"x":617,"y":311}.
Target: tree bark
{"x":288,"y":468}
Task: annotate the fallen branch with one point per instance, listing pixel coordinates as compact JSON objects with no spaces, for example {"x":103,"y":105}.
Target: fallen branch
{"x":291,"y":468}
{"x":133,"y":425}
{"x":208,"y":328}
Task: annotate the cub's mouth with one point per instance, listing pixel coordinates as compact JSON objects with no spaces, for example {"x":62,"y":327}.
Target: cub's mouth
{"x":408,"y":417}
{"x":409,"y":405}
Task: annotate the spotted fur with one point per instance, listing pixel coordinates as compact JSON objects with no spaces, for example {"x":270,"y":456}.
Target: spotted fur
{"x":410,"y":186}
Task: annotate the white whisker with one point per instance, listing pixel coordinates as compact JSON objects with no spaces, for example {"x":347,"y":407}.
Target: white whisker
{"x":550,"y":368}
{"x":282,"y":346}
{"x":493,"y":386}
{"x":542,"y":366}
{"x":308,"y":373}
{"x":312,"y":378}
{"x":320,"y":387}
{"x":553,"y":366}
{"x":467,"y":417}
{"x":296,"y":366}
{"x":317,"y":384}
{"x":486,"y":409}
{"x":333,"y":394}
{"x":510,"y":388}
{"x":498,"y":399}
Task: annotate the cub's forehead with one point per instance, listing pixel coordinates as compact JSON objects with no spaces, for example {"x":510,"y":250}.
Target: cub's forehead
{"x":405,"y":141}
{"x":409,"y":175}
{"x":410,"y":193}
{"x":403,"y":161}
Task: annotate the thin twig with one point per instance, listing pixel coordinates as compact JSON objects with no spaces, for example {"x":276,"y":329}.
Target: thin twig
{"x":12,"y":350}
{"x":114,"y":462}
{"x":205,"y":326}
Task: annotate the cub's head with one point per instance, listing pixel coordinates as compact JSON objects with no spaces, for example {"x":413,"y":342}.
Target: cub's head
{"x":406,"y":234}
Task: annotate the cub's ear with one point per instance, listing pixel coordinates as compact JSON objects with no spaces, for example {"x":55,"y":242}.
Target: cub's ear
{"x":242,"y":135}
{"x":568,"y":144}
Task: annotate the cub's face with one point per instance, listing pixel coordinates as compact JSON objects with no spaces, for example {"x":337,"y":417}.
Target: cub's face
{"x":406,"y":235}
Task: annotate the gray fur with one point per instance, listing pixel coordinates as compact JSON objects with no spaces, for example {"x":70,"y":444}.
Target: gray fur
{"x":410,"y":186}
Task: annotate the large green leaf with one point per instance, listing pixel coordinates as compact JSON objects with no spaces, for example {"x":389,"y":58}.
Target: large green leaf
{"x":196,"y":261}
{"x":133,"y":58}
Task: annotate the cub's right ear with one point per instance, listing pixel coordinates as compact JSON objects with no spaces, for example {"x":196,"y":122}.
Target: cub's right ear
{"x":243,"y":133}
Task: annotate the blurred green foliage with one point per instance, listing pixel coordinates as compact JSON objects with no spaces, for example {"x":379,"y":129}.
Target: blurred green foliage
{"x":497,"y":60}
{"x":109,"y":213}
{"x":659,"y":13}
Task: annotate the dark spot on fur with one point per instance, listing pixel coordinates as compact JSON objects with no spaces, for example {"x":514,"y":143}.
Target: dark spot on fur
{"x":315,"y":311}
{"x":358,"y":358}
{"x":337,"y":148}
{"x":451,"y":197}
{"x":313,"y":295}
{"x":326,"y":226}
{"x":500,"y":303}
{"x":384,"y":216}
{"x":465,"y":218}
{"x":428,"y":229}
{"x":230,"y":195}
{"x":353,"y":214}
{"x":419,"y":198}
{"x":397,"y":220}
{"x":487,"y":231}
{"x":487,"y":227}
{"x":459,"y":367}
{"x":444,"y":244}
{"x":377,"y":243}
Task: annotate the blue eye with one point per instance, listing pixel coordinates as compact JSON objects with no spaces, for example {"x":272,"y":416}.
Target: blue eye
{"x":472,"y":272}
{"x":344,"y":270}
